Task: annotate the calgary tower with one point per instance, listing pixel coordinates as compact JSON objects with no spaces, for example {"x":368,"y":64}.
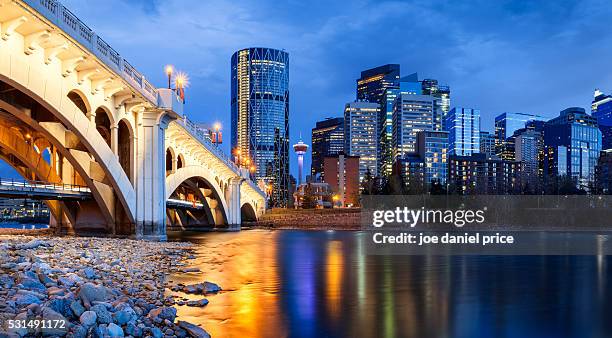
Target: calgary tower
{"x":300,"y":149}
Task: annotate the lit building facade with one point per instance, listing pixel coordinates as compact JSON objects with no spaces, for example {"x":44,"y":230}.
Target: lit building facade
{"x":260,"y":116}
{"x":432,"y":147}
{"x":601,"y":109}
{"x":481,"y":175}
{"x":411,"y":114}
{"x":411,"y":167}
{"x":487,"y":143}
{"x":528,"y":148}
{"x":442,"y":101}
{"x":361,"y":135}
{"x":373,"y":82}
{"x":463,"y":126}
{"x":572,"y":143}
{"x":342,"y":175}
{"x":327,"y":140}
{"x":505,"y":126}
{"x":603,"y":172}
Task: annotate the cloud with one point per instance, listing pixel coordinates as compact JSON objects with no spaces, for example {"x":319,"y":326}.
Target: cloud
{"x":530,"y":56}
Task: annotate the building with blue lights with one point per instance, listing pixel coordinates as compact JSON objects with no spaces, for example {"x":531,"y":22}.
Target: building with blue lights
{"x":463,"y":126}
{"x":572,"y":143}
{"x":260,"y":116}
{"x":505,"y":126}
{"x":601,"y":109}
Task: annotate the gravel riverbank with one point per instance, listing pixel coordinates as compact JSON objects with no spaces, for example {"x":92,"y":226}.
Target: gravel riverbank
{"x":93,"y":287}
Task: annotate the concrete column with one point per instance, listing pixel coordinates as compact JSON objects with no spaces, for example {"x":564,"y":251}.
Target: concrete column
{"x":115,"y":139}
{"x":233,"y":204}
{"x":151,"y":176}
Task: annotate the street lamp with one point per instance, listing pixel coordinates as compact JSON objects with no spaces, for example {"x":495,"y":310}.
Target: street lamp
{"x":169,"y":70}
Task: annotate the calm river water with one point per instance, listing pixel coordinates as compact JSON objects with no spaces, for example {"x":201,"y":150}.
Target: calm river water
{"x":321,"y":284}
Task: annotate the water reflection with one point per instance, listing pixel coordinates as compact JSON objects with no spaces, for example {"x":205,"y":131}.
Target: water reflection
{"x":311,"y":284}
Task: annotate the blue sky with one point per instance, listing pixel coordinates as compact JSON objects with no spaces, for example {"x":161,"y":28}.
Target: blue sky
{"x":520,"y":56}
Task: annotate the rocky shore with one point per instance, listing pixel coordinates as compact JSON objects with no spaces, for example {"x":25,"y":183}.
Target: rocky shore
{"x":96,"y":287}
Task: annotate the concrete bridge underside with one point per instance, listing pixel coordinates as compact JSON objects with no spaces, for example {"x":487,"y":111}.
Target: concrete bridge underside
{"x":69,"y":115}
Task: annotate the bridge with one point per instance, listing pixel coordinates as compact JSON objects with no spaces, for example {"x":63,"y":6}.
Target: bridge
{"x":73,"y":112}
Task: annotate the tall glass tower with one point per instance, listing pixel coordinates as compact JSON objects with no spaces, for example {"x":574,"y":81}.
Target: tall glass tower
{"x":260,"y":117}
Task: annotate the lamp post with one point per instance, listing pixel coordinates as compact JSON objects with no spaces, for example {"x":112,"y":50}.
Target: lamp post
{"x":169,"y":70}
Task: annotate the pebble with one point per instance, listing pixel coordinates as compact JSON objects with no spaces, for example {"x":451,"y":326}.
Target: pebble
{"x":100,"y":286}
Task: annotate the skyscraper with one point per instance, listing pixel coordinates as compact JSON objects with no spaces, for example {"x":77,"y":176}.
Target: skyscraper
{"x":528,"y":147}
{"x":572,"y":143}
{"x":411,"y":114}
{"x":260,"y":115}
{"x":409,"y":85}
{"x":487,"y":143}
{"x":327,"y":140}
{"x":505,"y":126}
{"x":432,"y":147}
{"x":361,"y":136}
{"x":463,"y":126}
{"x":373,"y":82}
{"x":441,"y":101}
{"x":601,"y":109}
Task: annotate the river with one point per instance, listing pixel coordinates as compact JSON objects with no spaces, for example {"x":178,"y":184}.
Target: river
{"x":289,"y":283}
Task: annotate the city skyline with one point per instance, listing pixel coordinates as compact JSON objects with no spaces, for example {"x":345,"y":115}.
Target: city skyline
{"x":474,"y":60}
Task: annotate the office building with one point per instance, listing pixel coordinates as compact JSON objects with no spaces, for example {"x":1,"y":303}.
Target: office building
{"x":342,"y":175}
{"x":463,"y":126}
{"x":432,"y":148}
{"x":529,"y":147}
{"x":601,"y":109}
{"x":411,"y":114}
{"x":603,"y":172}
{"x":411,"y":168}
{"x":572,"y":142}
{"x":327,"y":140}
{"x":260,"y":116}
{"x":505,"y":126}
{"x":361,"y":136}
{"x":373,"y":82}
{"x":480,"y":175}
{"x":487,"y":143}
{"x":441,"y":96}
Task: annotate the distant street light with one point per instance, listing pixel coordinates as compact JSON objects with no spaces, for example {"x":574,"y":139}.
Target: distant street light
{"x":169,"y":71}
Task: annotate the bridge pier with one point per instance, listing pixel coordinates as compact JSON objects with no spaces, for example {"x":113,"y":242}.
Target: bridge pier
{"x":151,"y":175}
{"x":233,"y":204}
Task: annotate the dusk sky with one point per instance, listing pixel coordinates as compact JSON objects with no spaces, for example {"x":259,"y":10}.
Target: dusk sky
{"x":519,"y":56}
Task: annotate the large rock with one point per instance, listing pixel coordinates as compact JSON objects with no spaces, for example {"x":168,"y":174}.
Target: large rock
{"x":90,"y":292}
{"x":199,"y":303}
{"x":77,"y":308}
{"x":61,"y":305}
{"x":161,"y":313}
{"x":104,"y":317}
{"x":89,"y":273}
{"x":79,"y":331}
{"x":22,"y":299}
{"x":70,"y":280}
{"x":7,"y":281}
{"x":55,"y":317}
{"x":193,"y":330}
{"x":88,"y":318}
{"x":33,"y":244}
{"x":114,"y":330}
{"x":124,"y":315}
{"x":29,"y":283}
{"x":202,"y":288}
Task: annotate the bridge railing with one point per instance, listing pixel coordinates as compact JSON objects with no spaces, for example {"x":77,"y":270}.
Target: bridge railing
{"x":55,"y":12}
{"x":22,"y":185}
{"x":201,"y":134}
